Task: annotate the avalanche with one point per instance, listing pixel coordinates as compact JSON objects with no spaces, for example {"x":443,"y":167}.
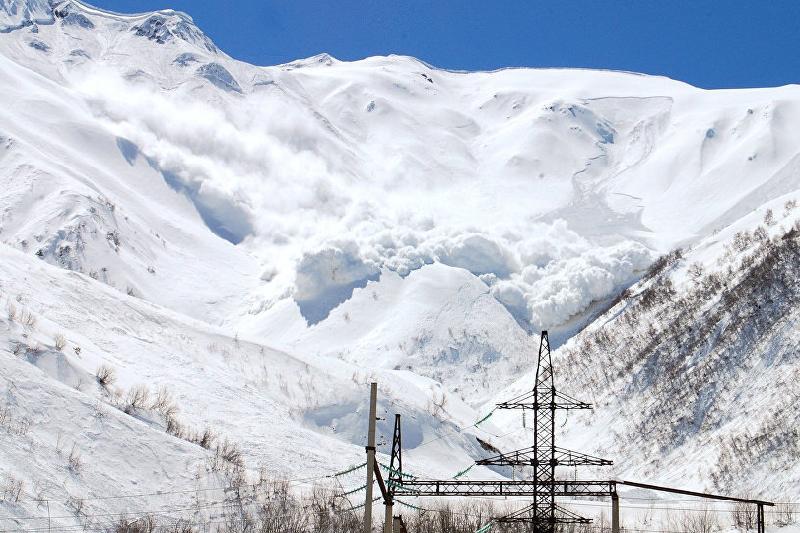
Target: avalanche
{"x":249,"y":246}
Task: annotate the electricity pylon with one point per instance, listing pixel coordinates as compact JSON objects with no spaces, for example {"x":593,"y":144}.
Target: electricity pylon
{"x":544,"y":456}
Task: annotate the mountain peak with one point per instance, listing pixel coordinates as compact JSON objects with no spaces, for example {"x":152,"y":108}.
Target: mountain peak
{"x":159,"y":26}
{"x":164,"y":26}
{"x":16,"y":14}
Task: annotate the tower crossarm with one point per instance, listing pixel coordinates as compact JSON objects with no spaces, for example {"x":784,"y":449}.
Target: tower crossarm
{"x":423,"y":487}
{"x":529,"y":401}
{"x":527,"y":457}
{"x":528,"y":515}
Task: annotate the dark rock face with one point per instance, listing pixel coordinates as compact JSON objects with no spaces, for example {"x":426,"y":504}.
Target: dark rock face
{"x":71,"y":16}
{"x":162,"y":29}
{"x":185,"y":59}
{"x":154,"y":29}
{"x":39,"y":45}
{"x":219,"y":76}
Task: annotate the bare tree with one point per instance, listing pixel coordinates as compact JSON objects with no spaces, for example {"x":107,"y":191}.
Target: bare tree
{"x":105,"y":376}
{"x":744,"y":516}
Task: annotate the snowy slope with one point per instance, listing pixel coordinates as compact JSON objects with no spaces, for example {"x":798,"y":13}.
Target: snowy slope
{"x":267,"y":240}
{"x":694,"y":370}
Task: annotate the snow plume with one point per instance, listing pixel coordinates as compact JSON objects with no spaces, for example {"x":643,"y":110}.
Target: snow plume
{"x":544,"y":276}
{"x":267,"y":171}
{"x":247,"y":165}
{"x":327,"y":277}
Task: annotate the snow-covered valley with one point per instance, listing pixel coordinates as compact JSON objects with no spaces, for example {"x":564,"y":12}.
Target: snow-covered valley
{"x":192,"y":243}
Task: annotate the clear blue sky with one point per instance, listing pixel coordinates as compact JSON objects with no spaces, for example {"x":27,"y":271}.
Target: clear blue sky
{"x":728,"y":43}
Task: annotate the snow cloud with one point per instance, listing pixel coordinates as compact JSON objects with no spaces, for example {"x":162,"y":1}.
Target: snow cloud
{"x":268,"y":171}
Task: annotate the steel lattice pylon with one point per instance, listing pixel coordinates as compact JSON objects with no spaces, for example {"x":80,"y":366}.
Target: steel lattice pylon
{"x":544,"y":456}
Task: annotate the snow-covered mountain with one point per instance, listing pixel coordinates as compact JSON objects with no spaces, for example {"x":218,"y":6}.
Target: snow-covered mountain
{"x":264,"y":241}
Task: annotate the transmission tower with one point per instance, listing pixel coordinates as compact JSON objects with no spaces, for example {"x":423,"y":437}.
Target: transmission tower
{"x":543,"y":514}
{"x":544,"y":456}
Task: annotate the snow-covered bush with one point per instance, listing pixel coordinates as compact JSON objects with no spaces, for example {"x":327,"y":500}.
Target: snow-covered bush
{"x":105,"y":376}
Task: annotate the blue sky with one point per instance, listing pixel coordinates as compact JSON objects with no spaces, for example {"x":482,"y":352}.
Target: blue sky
{"x":729,"y":43}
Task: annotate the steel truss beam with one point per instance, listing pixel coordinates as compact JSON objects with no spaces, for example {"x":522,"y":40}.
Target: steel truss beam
{"x":528,"y":515}
{"x":422,"y":487}
{"x":527,"y":457}
{"x":529,"y":400}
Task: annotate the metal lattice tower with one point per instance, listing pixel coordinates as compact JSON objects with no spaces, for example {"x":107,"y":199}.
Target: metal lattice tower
{"x":543,"y":515}
{"x":396,"y":461}
{"x":544,"y":456}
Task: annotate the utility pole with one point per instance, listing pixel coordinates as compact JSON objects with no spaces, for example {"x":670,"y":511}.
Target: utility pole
{"x":373,"y":405}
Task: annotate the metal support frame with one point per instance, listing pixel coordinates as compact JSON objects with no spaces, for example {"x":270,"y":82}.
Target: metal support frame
{"x":526,"y":515}
{"x":758,"y":503}
{"x":527,"y":457}
{"x":395,"y":468}
{"x":421,"y":487}
{"x":544,"y":456}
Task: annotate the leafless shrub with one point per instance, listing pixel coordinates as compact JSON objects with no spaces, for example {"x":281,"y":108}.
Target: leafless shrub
{"x":230,"y":452}
{"x":74,"y":460}
{"x":18,"y":348}
{"x":12,"y":489}
{"x":98,"y":410}
{"x":742,"y":240}
{"x":181,"y":526}
{"x":744,"y":516}
{"x":136,"y":399}
{"x":163,"y":401}
{"x":174,"y":427}
{"x":466,"y":517}
{"x":696,"y":271}
{"x":28,"y":319}
{"x":271,"y":507}
{"x":105,"y":376}
{"x":60,"y":341}
{"x":76,"y":504}
{"x":144,"y":524}
{"x":34,"y":349}
{"x":784,"y":512}
{"x":769,"y":218}
{"x":700,"y":521}
{"x":12,"y":311}
{"x":437,"y":405}
{"x":13,"y":425}
{"x":664,"y":262}
{"x":113,"y":238}
{"x":205,"y":439}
